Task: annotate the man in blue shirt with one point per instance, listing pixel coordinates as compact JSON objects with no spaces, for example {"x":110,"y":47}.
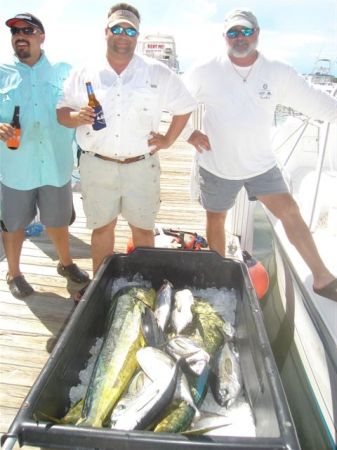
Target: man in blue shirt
{"x":38,"y":173}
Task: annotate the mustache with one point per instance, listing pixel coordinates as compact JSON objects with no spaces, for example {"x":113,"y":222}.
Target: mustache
{"x":22,"y":41}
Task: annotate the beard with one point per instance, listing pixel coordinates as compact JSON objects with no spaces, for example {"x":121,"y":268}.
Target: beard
{"x":23,"y":53}
{"x":241,"y":49}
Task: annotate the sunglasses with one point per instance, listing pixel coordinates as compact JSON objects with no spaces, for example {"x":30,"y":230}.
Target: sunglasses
{"x":27,"y":31}
{"x":246,"y":32}
{"x":118,"y":30}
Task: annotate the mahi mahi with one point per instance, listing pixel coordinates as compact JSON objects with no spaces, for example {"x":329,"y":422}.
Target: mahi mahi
{"x":116,"y":362}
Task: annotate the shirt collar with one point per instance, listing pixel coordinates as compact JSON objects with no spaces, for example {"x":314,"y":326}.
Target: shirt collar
{"x":42,"y":60}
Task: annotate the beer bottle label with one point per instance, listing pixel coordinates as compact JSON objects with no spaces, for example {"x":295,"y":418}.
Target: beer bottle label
{"x":99,"y":119}
{"x":14,"y":142}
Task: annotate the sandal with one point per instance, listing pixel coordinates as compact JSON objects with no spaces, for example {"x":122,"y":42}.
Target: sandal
{"x":329,"y":291}
{"x":73,"y":273}
{"x":79,"y":294}
{"x":19,"y":287}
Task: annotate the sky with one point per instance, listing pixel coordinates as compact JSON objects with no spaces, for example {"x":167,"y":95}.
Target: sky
{"x":299,"y":32}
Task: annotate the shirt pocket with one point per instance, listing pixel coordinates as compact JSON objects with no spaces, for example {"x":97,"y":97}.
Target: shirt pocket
{"x":142,"y":110}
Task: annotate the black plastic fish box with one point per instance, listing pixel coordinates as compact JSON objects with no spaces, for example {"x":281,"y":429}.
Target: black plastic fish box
{"x":203,"y":269}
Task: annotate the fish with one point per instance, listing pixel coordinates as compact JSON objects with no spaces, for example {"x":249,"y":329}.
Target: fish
{"x":72,"y":416}
{"x":141,"y":409}
{"x":163,"y":304}
{"x":209,"y":327}
{"x":116,"y":362}
{"x":226,"y":378}
{"x":74,"y":413}
{"x":207,"y":423}
{"x":155,"y":363}
{"x":138,"y":382}
{"x":195,"y":357}
{"x":177,"y":418}
{"x":182,"y":314}
{"x":180,"y":415}
{"x":153,"y":334}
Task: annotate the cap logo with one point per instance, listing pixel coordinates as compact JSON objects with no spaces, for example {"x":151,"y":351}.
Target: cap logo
{"x":123,"y":15}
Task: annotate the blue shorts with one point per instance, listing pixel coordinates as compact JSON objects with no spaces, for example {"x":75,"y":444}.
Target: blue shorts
{"x":19,"y":208}
{"x":219,"y":194}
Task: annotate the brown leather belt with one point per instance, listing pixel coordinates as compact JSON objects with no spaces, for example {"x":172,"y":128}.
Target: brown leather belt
{"x":123,"y":161}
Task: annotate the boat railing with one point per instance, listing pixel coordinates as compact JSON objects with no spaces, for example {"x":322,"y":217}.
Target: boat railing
{"x":323,"y":137}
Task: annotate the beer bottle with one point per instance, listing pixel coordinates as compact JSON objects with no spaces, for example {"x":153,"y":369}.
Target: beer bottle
{"x":95,"y":104}
{"x":14,"y":142}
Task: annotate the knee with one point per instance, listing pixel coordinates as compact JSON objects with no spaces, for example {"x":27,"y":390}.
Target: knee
{"x":216,"y":217}
{"x":290,"y":212}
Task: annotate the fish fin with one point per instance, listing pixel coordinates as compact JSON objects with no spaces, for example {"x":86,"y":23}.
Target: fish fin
{"x":46,"y":416}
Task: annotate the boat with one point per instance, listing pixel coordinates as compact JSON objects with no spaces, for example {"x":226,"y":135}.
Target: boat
{"x":301,"y":325}
{"x":161,"y":47}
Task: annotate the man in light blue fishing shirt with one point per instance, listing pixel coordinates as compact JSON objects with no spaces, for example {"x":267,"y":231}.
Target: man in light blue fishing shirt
{"x":36,"y":175}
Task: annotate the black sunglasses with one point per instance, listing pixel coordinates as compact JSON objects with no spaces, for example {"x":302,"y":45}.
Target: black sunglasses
{"x":118,"y":30}
{"x":27,"y":31}
{"x":246,"y":32}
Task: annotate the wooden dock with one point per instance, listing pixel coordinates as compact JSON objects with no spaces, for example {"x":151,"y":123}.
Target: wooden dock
{"x":30,"y":327}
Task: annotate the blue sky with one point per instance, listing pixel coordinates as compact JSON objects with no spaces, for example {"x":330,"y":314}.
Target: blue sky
{"x":296,"y":31}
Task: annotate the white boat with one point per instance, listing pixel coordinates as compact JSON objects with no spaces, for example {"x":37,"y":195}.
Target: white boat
{"x":161,"y":47}
{"x":302,"y":326}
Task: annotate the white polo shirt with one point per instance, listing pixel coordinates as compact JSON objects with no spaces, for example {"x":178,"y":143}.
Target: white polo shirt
{"x":132,"y":103}
{"x":239,"y":115}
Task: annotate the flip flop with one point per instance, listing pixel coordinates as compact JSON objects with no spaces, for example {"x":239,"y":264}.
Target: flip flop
{"x":329,"y":291}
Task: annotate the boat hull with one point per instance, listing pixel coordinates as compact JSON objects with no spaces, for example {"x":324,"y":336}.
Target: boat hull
{"x":303,"y":348}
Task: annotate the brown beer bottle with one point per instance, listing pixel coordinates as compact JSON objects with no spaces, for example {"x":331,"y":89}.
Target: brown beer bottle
{"x":95,"y":104}
{"x":14,"y":142}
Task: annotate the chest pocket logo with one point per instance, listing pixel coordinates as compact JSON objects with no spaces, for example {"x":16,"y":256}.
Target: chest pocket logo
{"x":265,"y":93}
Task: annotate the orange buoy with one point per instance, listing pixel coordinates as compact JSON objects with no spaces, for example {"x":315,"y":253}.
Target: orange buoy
{"x":129,"y":246}
{"x":258,"y":274}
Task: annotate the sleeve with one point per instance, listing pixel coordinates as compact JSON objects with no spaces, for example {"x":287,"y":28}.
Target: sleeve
{"x":178,"y":100}
{"x":192,"y":81}
{"x":298,"y":94}
{"x":73,"y":93}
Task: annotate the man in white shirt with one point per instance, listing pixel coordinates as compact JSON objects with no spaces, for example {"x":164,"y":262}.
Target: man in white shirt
{"x":120,"y":170}
{"x":240,"y":92}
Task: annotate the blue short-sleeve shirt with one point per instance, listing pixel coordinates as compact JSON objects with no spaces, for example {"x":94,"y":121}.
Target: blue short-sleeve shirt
{"x":45,"y":155}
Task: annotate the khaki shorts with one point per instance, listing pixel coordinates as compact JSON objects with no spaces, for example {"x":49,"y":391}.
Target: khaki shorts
{"x":110,"y":189}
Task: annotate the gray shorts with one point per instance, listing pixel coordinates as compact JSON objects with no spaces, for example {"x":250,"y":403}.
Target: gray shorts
{"x":110,"y":189}
{"x":219,"y":194}
{"x":19,"y":208}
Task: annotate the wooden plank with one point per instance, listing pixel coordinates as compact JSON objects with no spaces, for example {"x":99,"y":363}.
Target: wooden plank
{"x":24,"y":375}
{"x":12,"y":394}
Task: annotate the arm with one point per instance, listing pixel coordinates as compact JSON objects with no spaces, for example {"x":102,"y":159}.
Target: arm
{"x":72,"y":119}
{"x":158,"y":141}
{"x":199,"y":140}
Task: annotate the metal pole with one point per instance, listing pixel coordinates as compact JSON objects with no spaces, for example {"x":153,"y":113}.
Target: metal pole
{"x":319,"y":167}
